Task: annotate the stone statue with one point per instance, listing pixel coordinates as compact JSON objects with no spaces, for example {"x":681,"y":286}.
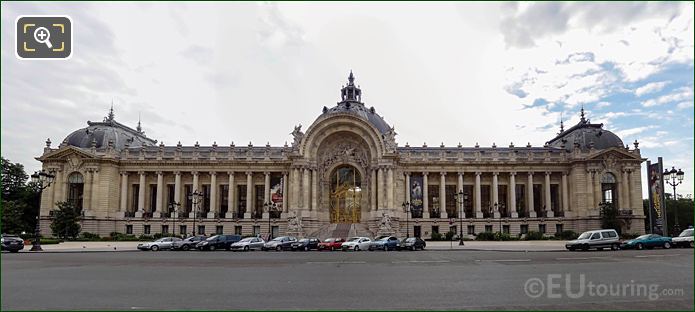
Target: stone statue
{"x":294,"y":225}
{"x":298,"y":135}
{"x":385,"y":225}
{"x":390,"y":139}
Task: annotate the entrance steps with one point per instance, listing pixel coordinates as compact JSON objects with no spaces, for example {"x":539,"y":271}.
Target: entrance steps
{"x":358,"y":229}
{"x":342,"y":230}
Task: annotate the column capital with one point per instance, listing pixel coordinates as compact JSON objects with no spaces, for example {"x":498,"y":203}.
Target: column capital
{"x":159,"y":172}
{"x":407,"y":173}
{"x":123,"y":172}
{"x":177,"y":172}
{"x":213,"y":173}
{"x":231,"y":173}
{"x":495,"y":173}
{"x":548,"y":173}
{"x":142,"y":173}
{"x":248,"y":173}
{"x":460,"y":173}
{"x":530,"y":173}
{"x":425,"y":173}
{"x":267,"y":173}
{"x":443,"y":173}
{"x":478,"y":173}
{"x":512,"y":173}
{"x":195,"y":173}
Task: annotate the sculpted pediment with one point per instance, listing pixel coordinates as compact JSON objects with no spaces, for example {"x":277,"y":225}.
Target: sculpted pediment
{"x":613,"y":154}
{"x":69,"y":153}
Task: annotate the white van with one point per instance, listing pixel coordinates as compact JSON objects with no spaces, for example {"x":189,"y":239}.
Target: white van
{"x":598,"y":239}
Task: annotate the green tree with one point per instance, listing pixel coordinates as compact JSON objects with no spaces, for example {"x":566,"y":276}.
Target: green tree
{"x":65,"y":222}
{"x":685,"y":213}
{"x":13,"y":217}
{"x":14,"y":180}
{"x":20,"y":200}
{"x":609,"y":217}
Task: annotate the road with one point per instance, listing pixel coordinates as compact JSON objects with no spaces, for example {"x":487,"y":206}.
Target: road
{"x":423,"y":280}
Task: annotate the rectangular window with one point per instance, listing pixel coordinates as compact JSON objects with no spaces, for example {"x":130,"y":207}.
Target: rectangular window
{"x":471,"y":230}
{"x":256,"y":230}
{"x":224,"y":196}
{"x":146,"y":229}
{"x":136,"y":197}
{"x":451,"y":206}
{"x":523,"y":229}
{"x":435,"y":229}
{"x":241,"y":202}
{"x":170,"y":195}
{"x":417,"y":231}
{"x":165,"y":229}
{"x":188,"y":201}
{"x":452,"y":229}
{"x":183,"y":230}
{"x":468,"y":201}
{"x":205,"y":207}
{"x":219,"y":229}
{"x":505,"y":229}
{"x":541,"y":228}
{"x":485,"y":203}
{"x":488,"y":228}
{"x":538,"y":199}
{"x":433,"y":199}
{"x":201,"y":230}
{"x":521,"y":200}
{"x":129,"y":229}
{"x":502,"y":200}
{"x":555,"y":198}
{"x":558,"y":228}
{"x":260,"y":197}
{"x":237,"y":230}
{"x":275,"y":230}
{"x":153,"y":197}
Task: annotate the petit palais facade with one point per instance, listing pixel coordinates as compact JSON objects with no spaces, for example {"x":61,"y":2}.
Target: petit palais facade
{"x":344,"y":175}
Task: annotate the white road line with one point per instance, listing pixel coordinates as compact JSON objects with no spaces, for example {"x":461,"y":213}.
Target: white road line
{"x":336,"y":262}
{"x":582,"y":258}
{"x":649,"y":256}
{"x":422,"y":261}
{"x":504,"y":260}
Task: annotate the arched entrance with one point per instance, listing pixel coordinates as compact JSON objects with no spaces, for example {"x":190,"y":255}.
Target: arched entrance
{"x":346,"y":195}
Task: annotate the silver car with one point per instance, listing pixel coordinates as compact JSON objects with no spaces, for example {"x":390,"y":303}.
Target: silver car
{"x":160,"y":244}
{"x":249,"y":243}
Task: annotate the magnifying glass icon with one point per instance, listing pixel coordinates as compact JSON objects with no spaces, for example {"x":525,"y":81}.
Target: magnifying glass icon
{"x":42,"y":35}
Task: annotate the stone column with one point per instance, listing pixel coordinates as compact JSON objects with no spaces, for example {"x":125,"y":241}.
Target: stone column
{"x":95,"y":199}
{"x":565,"y":196}
{"x":306,"y":188}
{"x":314,"y":189}
{"x":380,"y":188}
{"x":214,"y":211}
{"x":249,"y":194}
{"x":87,"y":197}
{"x":425,"y":198}
{"x":266,"y":187}
{"x":598,"y":197}
{"x":442,"y":195}
{"x":373,"y":191}
{"x":389,"y":189}
{"x":177,"y":189}
{"x":407,"y":187}
{"x":589,"y":190}
{"x":56,"y":189}
{"x":295,"y":186}
{"x":124,"y":192}
{"x":495,"y":196}
{"x":160,"y":191}
{"x":626,"y":190}
{"x":548,"y":203}
{"x":459,"y":189}
{"x":512,"y":195}
{"x":196,"y":180}
{"x":141,"y":195}
{"x":195,"y":202}
{"x":477,"y":199}
{"x":529,"y":197}
{"x":284,"y":191}
{"x":231,"y":203}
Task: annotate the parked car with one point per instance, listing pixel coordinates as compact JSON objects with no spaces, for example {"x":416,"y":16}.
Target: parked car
{"x":11,"y":243}
{"x":648,"y":241}
{"x":249,"y":243}
{"x":163,"y":243}
{"x":331,"y":243}
{"x":306,"y":244}
{"x":597,"y":239}
{"x":685,"y":239}
{"x":218,"y":242}
{"x":188,"y":243}
{"x":385,"y":243}
{"x":280,"y":243}
{"x":356,"y":244}
{"x":413,"y":243}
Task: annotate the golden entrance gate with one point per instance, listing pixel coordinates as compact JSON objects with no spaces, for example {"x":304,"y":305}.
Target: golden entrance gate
{"x":346,"y":195}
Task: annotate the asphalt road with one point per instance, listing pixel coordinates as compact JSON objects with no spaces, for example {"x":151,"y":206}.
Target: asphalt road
{"x":426,"y":280}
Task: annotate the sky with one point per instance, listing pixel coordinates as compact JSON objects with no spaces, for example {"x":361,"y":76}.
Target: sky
{"x":439,"y":72}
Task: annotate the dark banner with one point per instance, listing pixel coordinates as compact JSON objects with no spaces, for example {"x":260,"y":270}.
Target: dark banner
{"x":656,"y":196}
{"x":416,"y":195}
{"x":276,"y":184}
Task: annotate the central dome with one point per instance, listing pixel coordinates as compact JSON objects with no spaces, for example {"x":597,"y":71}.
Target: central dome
{"x":351,"y":103}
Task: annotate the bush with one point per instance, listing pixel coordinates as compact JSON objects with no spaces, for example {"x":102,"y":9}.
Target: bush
{"x":145,"y":237}
{"x":90,"y":236}
{"x":49,"y":241}
{"x":566,"y":235}
{"x":449,"y":235}
{"x":533,"y":235}
{"x":628,"y":235}
{"x":436,"y":236}
{"x":485,"y":236}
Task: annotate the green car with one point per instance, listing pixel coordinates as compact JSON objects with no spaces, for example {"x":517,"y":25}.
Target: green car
{"x":648,"y":241}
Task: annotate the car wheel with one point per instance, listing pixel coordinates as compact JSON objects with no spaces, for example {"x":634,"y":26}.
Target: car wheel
{"x":691,"y":244}
{"x":212,"y":248}
{"x":667,"y":245}
{"x":615,"y":247}
{"x":413,"y":248}
{"x":246,"y":248}
{"x":640,"y":246}
{"x":306,"y":248}
{"x":278,"y":248}
{"x":154,"y":248}
{"x":14,"y":250}
{"x":585,"y":247}
{"x":185,"y":247}
{"x":599,"y":248}
{"x":570,"y":248}
{"x":357,"y":248}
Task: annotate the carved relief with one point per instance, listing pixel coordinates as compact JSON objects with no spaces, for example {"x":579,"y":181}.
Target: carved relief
{"x":343,"y":152}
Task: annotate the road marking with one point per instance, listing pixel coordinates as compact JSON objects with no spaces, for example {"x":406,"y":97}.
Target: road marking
{"x":648,"y":256}
{"x":582,"y":258}
{"x":504,"y":260}
{"x":336,"y":262}
{"x":422,"y":261}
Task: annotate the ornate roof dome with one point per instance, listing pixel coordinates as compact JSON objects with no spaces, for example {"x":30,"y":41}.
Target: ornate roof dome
{"x":586,"y":135}
{"x":100,"y":134}
{"x":351,"y":103}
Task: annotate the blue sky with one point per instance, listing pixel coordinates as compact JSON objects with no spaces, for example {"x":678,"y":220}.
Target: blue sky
{"x":474,"y":73}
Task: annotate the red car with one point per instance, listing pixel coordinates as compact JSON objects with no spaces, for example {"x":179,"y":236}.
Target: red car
{"x":331,"y":244}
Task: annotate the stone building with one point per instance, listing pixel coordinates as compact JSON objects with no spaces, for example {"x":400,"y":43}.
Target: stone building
{"x":346,"y":168}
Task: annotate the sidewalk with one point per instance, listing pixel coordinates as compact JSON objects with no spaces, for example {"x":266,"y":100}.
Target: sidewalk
{"x":87,"y":246}
{"x":547,"y":245}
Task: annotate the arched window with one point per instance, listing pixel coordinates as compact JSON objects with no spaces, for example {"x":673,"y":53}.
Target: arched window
{"x":608,"y":188}
{"x":76,"y":189}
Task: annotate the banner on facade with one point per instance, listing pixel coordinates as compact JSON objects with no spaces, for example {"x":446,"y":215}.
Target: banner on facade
{"x":416,"y":195}
{"x":656,"y":195}
{"x":276,"y":186}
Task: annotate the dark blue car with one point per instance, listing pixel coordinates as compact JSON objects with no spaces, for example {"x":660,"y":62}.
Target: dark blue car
{"x":385,"y":243}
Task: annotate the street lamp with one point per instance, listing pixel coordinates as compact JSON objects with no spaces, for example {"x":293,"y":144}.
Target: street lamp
{"x":676,"y":179}
{"x":42,"y":180}
{"x":195,"y":197}
{"x":500,"y":218}
{"x":173,"y":209}
{"x":268,"y":207}
{"x":462,"y":198}
{"x":406,"y":207}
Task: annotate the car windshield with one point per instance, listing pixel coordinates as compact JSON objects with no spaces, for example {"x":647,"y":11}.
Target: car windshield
{"x":688,"y":232}
{"x":353,"y":239}
{"x":410,"y":239}
{"x":279,"y":239}
{"x":161,"y":240}
{"x":303,"y":240}
{"x":383,"y":238}
{"x":645,"y":236}
{"x":248,"y":239}
{"x":584,"y":235}
{"x":213,"y":238}
{"x":329,"y":240}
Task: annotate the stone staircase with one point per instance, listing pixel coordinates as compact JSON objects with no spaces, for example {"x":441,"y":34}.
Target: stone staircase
{"x":358,"y":229}
{"x":342,"y":230}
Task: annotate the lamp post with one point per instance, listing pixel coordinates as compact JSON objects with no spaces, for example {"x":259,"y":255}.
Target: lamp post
{"x":195,"y":197}
{"x":676,"y":179}
{"x":173,"y":209}
{"x":502,"y":206}
{"x":268,"y":207}
{"x":462,"y":198}
{"x":42,"y":180}
{"x":500,"y":218}
{"x":406,"y":207}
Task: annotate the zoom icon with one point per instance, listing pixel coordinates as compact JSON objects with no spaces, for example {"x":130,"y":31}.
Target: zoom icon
{"x":43,"y":37}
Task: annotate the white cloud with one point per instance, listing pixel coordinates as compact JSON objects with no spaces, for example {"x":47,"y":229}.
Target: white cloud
{"x":651,"y":88}
{"x":633,"y":131}
{"x":602,"y":104}
{"x":680,"y":94}
{"x":684,"y":105}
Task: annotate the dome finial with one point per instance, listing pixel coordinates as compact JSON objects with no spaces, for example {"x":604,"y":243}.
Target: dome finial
{"x":351,"y":79}
{"x":582,"y":114}
{"x":351,"y":93}
{"x":562,"y":125}
{"x":111,"y":116}
{"x":139,"y":128}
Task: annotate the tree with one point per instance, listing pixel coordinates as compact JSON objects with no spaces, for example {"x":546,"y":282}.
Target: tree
{"x":14,"y":180}
{"x":685,"y":213}
{"x":65,"y":221}
{"x":13,"y":217}
{"x":609,"y":217}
